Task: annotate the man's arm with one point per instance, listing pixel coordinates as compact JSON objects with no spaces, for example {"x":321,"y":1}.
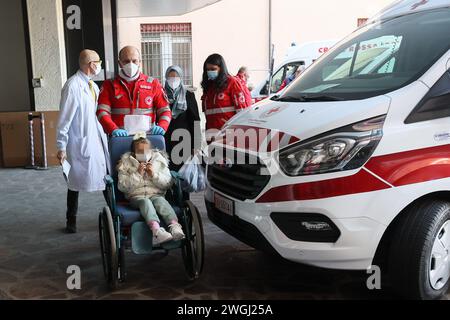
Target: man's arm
{"x":68,"y":109}
{"x":238,"y":95}
{"x":161,"y":104}
{"x":104,"y":108}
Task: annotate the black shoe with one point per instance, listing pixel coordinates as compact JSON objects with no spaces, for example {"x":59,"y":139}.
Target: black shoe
{"x":71,"y":226}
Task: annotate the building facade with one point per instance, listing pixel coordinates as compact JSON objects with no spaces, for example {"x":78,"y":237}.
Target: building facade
{"x":241,"y":31}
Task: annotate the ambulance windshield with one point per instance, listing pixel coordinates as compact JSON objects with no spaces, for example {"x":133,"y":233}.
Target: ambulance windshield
{"x":377,"y":59}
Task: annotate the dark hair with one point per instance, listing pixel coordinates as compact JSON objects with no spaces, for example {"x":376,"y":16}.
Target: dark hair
{"x":139,"y":141}
{"x":222,"y":81}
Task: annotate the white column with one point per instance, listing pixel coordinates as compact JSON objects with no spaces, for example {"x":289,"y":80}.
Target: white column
{"x":45,"y":19}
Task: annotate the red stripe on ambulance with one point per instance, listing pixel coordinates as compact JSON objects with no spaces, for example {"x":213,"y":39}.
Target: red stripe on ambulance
{"x":397,"y":169}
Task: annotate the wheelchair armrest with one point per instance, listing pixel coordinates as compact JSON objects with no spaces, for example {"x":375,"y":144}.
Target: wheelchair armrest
{"x":108,"y":180}
{"x":176,"y":175}
{"x":110,"y":193}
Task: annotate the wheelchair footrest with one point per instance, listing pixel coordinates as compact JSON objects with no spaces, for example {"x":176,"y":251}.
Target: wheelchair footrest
{"x":141,"y":238}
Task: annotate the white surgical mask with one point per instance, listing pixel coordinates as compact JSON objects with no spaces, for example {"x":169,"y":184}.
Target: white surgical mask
{"x":174,"y":82}
{"x":98,"y":69}
{"x":130,"y":70}
{"x":143,"y":157}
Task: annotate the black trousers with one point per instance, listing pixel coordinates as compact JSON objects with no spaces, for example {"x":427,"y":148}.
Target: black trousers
{"x":72,"y":202}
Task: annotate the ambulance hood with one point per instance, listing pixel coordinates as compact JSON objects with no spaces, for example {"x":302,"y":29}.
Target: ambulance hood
{"x":304,"y":120}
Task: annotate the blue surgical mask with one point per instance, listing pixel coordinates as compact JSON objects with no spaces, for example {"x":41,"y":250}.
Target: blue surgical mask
{"x":213,"y":75}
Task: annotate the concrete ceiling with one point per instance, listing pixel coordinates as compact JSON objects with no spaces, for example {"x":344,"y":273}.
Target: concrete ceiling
{"x":155,"y":8}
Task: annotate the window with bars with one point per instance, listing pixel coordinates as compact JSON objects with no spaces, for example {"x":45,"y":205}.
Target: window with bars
{"x":164,"y":45}
{"x":361,"y":22}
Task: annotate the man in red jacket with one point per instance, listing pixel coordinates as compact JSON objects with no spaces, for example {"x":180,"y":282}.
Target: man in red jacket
{"x":243,"y":76}
{"x":132,"y":93}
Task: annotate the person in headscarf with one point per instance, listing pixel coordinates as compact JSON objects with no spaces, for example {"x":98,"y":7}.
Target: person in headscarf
{"x":185,"y":115}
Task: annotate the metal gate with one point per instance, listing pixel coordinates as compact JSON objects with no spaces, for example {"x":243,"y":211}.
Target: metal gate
{"x":164,"y":45}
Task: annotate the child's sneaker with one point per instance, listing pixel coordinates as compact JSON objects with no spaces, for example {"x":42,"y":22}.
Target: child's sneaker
{"x":161,"y":236}
{"x":177,"y":232}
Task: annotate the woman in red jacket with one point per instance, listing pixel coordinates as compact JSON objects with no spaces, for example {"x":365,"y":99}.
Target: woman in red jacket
{"x":223,"y":95}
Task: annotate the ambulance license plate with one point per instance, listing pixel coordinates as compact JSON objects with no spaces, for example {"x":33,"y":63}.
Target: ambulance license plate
{"x":223,"y":204}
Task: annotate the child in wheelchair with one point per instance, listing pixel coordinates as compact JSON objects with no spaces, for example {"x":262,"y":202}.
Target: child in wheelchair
{"x":144,"y":178}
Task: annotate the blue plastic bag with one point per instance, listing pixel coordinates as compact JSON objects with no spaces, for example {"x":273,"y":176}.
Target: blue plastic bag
{"x":192,"y":174}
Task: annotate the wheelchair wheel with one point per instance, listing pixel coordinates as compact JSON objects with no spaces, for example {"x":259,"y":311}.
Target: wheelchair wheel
{"x":193,"y":250}
{"x":122,"y":265}
{"x":108,"y":248}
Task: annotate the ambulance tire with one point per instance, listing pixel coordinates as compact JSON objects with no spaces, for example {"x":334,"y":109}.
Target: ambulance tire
{"x":412,"y":257}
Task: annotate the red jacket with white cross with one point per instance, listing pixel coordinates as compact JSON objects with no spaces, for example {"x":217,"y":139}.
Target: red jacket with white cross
{"x":221,"y":106}
{"x":148,"y":98}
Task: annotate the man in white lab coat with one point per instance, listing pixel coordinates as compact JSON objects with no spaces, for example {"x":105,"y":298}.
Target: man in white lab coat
{"x":80,"y":138}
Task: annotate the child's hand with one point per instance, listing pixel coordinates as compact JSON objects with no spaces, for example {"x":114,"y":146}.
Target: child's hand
{"x":142,"y":168}
{"x":149,"y":170}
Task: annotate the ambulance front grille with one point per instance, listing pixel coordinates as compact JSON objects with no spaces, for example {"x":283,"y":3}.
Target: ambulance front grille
{"x":240,"y":181}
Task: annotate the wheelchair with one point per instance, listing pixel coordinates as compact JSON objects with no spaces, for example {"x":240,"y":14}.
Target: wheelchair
{"x":122,"y":229}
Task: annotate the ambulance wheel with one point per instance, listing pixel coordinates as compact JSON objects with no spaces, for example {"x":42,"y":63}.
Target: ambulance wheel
{"x":419,"y":259}
{"x":193,"y":250}
{"x":108,"y":248}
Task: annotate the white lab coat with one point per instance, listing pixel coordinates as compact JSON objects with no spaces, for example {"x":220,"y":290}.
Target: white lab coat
{"x":81,"y":136}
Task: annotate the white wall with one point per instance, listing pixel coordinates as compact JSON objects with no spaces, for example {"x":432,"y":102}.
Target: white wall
{"x":221,"y":28}
{"x":47,"y":51}
{"x":304,"y":21}
{"x":239,"y":29}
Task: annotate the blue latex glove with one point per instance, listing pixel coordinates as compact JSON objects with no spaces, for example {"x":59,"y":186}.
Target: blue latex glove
{"x":120,"y":133}
{"x":158,"y":131}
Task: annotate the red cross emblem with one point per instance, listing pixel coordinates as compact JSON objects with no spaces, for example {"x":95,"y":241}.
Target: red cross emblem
{"x":273,"y":110}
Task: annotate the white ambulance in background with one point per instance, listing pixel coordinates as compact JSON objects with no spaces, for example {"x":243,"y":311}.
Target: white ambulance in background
{"x":361,"y":174}
{"x":303,"y":55}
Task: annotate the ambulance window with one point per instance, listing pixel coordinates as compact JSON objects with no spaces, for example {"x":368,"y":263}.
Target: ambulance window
{"x":291,"y":69}
{"x":277,"y":80}
{"x":388,"y":67}
{"x":331,"y":68}
{"x":287,"y":71}
{"x":366,"y":57}
{"x":379,"y":58}
{"x":435,"y":105}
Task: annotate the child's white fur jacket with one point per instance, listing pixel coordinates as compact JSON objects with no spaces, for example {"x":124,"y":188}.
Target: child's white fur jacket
{"x":133,"y":184}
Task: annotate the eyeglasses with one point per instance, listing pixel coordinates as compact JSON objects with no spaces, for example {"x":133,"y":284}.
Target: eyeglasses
{"x":99,"y":61}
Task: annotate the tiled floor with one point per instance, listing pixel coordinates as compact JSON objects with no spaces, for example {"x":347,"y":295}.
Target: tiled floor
{"x":35,"y":254}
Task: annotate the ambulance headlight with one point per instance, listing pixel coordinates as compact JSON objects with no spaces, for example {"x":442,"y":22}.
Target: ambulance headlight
{"x":347,"y":148}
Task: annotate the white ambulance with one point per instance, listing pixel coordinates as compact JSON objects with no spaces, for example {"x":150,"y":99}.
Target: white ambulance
{"x":303,"y":55}
{"x":352,"y":165}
